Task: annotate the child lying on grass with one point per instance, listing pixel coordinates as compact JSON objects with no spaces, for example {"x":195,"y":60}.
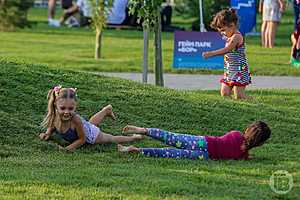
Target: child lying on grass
{"x":68,"y":125}
{"x":232,"y":145}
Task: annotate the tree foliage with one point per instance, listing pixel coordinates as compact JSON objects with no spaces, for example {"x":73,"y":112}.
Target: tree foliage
{"x":148,"y":11}
{"x":100,"y":12}
{"x":210,"y":8}
{"x":13,"y":14}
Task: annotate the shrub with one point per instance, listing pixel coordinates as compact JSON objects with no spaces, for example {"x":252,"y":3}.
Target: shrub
{"x":13,"y":14}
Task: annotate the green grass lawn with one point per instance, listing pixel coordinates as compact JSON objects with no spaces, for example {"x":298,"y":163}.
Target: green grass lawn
{"x":33,"y":169}
{"x":122,"y":49}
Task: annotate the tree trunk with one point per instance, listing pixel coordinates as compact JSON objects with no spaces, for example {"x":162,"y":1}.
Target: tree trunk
{"x":158,"y":53}
{"x":146,"y":53}
{"x":98,"y":43}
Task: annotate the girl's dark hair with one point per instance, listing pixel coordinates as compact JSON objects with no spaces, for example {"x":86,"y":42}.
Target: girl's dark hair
{"x":224,"y":18}
{"x":256,"y":134}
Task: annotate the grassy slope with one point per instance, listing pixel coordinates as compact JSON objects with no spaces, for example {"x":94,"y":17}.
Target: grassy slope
{"x":32,"y":169}
{"x":74,"y":48}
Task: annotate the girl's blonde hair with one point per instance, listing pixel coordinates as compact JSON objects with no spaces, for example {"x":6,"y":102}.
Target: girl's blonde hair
{"x":224,"y":18}
{"x":53,"y":95}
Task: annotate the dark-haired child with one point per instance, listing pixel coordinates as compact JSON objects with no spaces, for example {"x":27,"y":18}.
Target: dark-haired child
{"x":236,"y":69}
{"x":232,"y":145}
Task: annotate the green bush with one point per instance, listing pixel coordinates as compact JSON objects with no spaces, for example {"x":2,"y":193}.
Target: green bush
{"x":210,"y":8}
{"x":13,"y":14}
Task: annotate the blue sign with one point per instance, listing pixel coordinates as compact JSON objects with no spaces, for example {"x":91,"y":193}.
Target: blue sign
{"x":189,"y":46}
{"x":246,"y":10}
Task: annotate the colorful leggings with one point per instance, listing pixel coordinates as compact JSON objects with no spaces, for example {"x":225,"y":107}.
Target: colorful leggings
{"x":187,"y":146}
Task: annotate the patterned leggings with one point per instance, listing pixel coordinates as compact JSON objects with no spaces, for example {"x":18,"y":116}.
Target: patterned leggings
{"x":187,"y":146}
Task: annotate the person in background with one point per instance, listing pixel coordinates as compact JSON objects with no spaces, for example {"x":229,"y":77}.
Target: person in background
{"x":84,"y":8}
{"x":295,"y":50}
{"x":296,"y":5}
{"x":117,"y":13}
{"x":271,"y":11}
{"x":166,"y":14}
{"x":65,"y":4}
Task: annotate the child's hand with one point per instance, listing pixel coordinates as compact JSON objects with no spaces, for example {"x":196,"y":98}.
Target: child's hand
{"x":207,"y":54}
{"x":61,"y":148}
{"x":44,"y":136}
{"x":64,"y":149}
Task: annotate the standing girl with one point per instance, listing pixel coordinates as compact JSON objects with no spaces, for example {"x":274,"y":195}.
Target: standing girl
{"x":62,"y":120}
{"x":236,"y":70}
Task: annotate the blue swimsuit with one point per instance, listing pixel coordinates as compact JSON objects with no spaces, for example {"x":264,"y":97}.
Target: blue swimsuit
{"x":91,"y":133}
{"x":70,"y":135}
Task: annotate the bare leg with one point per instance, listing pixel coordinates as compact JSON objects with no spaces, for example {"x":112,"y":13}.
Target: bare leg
{"x":272,"y":33}
{"x":104,"y":138}
{"x":294,"y":44}
{"x":69,"y":12}
{"x":51,"y":9}
{"x":225,"y":90}
{"x":97,"y":118}
{"x":239,"y":92}
{"x":129,"y":149}
{"x":298,"y":44}
{"x":267,"y":33}
{"x":134,"y":129}
{"x":263,"y":33}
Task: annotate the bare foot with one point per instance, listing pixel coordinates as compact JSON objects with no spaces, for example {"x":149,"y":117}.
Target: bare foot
{"x":138,"y":137}
{"x":134,"y":129}
{"x":128,"y":149}
{"x":109,"y":111}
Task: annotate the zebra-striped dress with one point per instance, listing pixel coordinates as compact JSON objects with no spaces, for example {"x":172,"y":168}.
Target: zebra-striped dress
{"x":236,"y":69}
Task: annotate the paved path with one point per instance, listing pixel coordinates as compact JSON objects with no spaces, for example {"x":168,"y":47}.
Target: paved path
{"x":210,"y":82}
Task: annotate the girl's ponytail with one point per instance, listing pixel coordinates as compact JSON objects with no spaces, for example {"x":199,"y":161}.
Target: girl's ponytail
{"x":49,"y":119}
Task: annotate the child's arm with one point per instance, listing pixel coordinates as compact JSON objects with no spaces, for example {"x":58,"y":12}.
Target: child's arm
{"x":45,"y":136}
{"x":81,"y":135}
{"x":234,"y":42}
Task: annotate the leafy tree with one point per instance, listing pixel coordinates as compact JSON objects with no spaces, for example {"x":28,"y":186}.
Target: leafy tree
{"x":99,"y":21}
{"x":13,"y":14}
{"x":148,"y":13}
{"x":210,"y":8}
